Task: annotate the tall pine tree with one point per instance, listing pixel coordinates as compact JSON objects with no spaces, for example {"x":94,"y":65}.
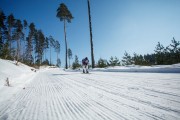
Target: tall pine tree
{"x":64,"y":15}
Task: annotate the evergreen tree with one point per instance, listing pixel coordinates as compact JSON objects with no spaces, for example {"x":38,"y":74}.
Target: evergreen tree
{"x":11,"y":25}
{"x":64,"y":15}
{"x":5,"y":51}
{"x":159,"y":53}
{"x":58,"y":63}
{"x":149,"y":59}
{"x":76,"y":63}
{"x":51,"y":45}
{"x":45,"y":62}
{"x":136,"y":59}
{"x":18,"y":36}
{"x":69,"y":55}
{"x":114,"y":61}
{"x":46,"y":46}
{"x":3,"y":45}
{"x":127,"y":60}
{"x":25,"y":24}
{"x":174,"y":51}
{"x":29,"y":48}
{"x":102,"y":63}
{"x":57,"y":49}
{"x":163,"y":55}
{"x":39,"y":46}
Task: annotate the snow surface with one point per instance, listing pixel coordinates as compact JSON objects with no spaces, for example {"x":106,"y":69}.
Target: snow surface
{"x":150,"y":69}
{"x":55,"y":94}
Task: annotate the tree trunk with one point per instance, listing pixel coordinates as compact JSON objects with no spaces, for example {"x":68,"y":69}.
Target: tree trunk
{"x":18,"y":51}
{"x":23,"y":46}
{"x":50,"y":55}
{"x":31,"y":49}
{"x":69,"y":62}
{"x":57,"y":59}
{"x":10,"y":40}
{"x":65,"y":44}
{"x":90,"y":28}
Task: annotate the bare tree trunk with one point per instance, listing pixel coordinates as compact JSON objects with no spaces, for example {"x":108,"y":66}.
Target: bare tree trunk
{"x":57,"y":59}
{"x":10,"y":40}
{"x":50,"y":55}
{"x":31,"y":51}
{"x":23,"y":46}
{"x":20,"y":48}
{"x":65,"y":43}
{"x":69,"y":62}
{"x":18,"y":51}
{"x":91,"y":42}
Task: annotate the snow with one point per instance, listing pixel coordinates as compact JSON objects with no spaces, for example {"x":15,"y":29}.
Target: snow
{"x":118,"y":93}
{"x":18,"y":77}
{"x":150,"y":69}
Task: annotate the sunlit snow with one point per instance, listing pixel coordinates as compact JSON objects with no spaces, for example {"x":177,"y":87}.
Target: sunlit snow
{"x":117,"y":93}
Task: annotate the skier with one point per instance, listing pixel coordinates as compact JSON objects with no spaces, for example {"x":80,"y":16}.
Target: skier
{"x":85,"y":62}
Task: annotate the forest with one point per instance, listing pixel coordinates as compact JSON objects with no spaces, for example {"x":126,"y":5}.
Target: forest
{"x":25,"y":43}
{"x":162,"y":56}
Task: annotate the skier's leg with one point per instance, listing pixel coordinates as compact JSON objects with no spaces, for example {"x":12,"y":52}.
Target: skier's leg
{"x":83,"y":69}
{"x":87,"y":69}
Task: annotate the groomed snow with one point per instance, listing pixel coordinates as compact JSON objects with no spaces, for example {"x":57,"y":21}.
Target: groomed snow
{"x":55,"y":94}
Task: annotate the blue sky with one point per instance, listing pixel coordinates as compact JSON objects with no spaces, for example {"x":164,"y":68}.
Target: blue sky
{"x":117,"y":25}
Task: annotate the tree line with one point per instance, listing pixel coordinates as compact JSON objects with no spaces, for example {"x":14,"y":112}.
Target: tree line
{"x":161,"y":56}
{"x":31,"y":48}
{"x":25,"y":43}
{"x":22,"y":42}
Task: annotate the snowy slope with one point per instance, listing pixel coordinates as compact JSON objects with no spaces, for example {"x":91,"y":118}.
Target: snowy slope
{"x":55,"y":94}
{"x":17,"y":75}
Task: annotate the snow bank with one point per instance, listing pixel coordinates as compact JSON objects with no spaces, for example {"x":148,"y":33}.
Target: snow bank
{"x":12,"y":71}
{"x":18,"y":75}
{"x":175,"y":68}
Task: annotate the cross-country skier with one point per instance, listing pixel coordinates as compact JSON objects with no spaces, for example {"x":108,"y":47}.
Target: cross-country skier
{"x":85,"y":62}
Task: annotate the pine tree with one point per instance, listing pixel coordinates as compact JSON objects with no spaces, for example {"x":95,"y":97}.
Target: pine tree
{"x":64,"y":15}
{"x":114,"y":61}
{"x":174,"y":51}
{"x":51,"y":45}
{"x":57,"y":49}
{"x":76,"y":63}
{"x":102,"y":63}
{"x":69,"y":55}
{"x":3,"y":45}
{"x":127,"y":60}
{"x":58,"y":63}
{"x":159,"y":53}
{"x":46,"y":46}
{"x":25,"y":24}
{"x":39,"y":46}
{"x":11,"y":25}
{"x":18,"y":37}
{"x":29,"y":48}
{"x":45,"y":62}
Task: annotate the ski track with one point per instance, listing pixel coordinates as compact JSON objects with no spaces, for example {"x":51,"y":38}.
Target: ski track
{"x":59,"y":95}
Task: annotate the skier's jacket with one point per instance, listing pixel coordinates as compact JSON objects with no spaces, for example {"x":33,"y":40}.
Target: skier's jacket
{"x":85,"y":61}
